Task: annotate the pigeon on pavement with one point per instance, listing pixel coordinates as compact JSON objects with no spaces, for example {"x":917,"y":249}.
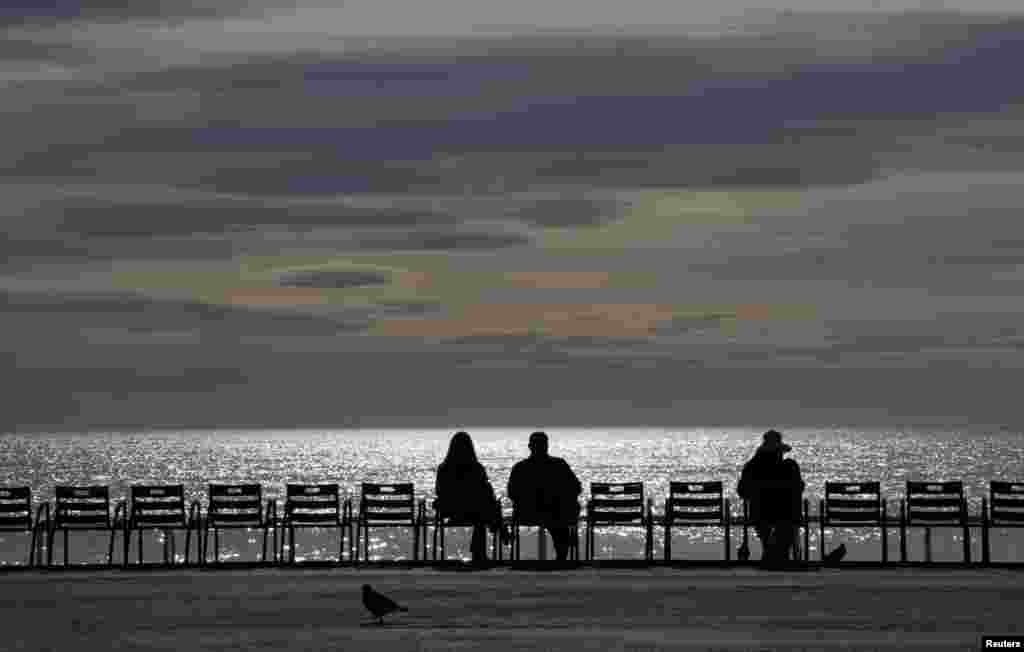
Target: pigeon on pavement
{"x":833,"y":558}
{"x":379,"y":605}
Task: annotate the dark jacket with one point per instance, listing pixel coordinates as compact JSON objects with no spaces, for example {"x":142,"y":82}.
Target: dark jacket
{"x":464,"y":492}
{"x":544,"y":490}
{"x":773,"y":488}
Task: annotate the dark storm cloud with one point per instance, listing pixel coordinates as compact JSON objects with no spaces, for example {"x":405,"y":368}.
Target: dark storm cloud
{"x":505,"y":121}
{"x":30,"y":315}
{"x":429,"y":240}
{"x":332,"y":279}
{"x":36,"y":12}
{"x":173,"y":216}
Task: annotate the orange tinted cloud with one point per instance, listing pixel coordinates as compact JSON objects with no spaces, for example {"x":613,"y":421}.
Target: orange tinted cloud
{"x":594,"y":320}
{"x":273,"y":296}
{"x":558,"y":280}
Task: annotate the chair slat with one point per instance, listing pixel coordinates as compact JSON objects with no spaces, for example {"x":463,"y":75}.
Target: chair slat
{"x":76,"y":493}
{"x":376,"y":503}
{"x":677,"y":516}
{"x":234,"y":518}
{"x":933,"y":517}
{"x":604,"y":503}
{"x":712,"y":487}
{"x":307,"y":490}
{"x":616,"y":517}
{"x":20,"y":506}
{"x":1008,"y":517}
{"x":852,"y":487}
{"x":917,"y":502}
{"x":313,"y":517}
{"x":15,"y":523}
{"x":997,"y":487}
{"x":88,"y":518}
{"x":158,"y":519}
{"x":15,"y":493}
{"x":162,"y":492}
{"x":616,"y":488}
{"x":852,"y":503}
{"x":842,"y":516}
{"x":998,"y":502}
{"x":695,"y":502}
{"x":954,"y":487}
{"x":221,"y":503}
{"x":392,"y":488}
{"x":236,"y":491}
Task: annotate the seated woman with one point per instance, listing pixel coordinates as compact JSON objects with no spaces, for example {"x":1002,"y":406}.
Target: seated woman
{"x":464,"y":494}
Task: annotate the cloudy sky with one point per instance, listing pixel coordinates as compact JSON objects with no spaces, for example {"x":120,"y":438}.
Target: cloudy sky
{"x":476,"y":213}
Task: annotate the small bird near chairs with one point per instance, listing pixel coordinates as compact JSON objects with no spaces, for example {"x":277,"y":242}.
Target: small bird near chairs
{"x":379,"y":605}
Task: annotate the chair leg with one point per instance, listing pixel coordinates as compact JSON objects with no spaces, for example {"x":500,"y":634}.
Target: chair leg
{"x":986,"y":557}
{"x":65,"y":547}
{"x":49,"y":546}
{"x":203,"y":544}
{"x":433,"y":544}
{"x":903,"y":533}
{"x":188,"y":544}
{"x":291,"y":541}
{"x":263,"y":550}
{"x":415,"y":542}
{"x":885,"y":540}
{"x":141,"y":546}
{"x":110,"y":548}
{"x":967,"y":542}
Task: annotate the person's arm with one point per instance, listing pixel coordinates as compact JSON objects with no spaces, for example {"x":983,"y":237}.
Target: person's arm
{"x":438,"y":489}
{"x":574,"y":482}
{"x":743,"y":486}
{"x":513,"y":484}
{"x":798,"y":480}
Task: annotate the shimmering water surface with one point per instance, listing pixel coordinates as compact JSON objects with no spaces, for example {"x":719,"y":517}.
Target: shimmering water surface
{"x":655,"y":456}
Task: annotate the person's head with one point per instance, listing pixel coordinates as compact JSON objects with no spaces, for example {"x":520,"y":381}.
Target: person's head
{"x":460,"y":450}
{"x":771,"y":444}
{"x":539,"y":444}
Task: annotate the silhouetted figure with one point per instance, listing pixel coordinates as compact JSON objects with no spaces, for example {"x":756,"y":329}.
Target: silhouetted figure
{"x":546,"y":491}
{"x":774,"y":489}
{"x":833,"y":558}
{"x":379,"y":605}
{"x":464,"y":493}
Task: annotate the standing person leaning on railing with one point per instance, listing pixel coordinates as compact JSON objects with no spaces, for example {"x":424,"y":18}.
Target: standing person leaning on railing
{"x":773,"y":489}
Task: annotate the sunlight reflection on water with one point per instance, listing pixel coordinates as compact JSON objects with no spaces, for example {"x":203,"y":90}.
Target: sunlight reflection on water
{"x":654,"y":456}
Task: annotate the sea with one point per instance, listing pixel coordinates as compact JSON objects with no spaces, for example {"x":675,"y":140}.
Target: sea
{"x":654,"y":456}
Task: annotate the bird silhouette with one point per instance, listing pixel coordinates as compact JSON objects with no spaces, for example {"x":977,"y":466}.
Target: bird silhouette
{"x":833,"y":558}
{"x":379,"y":605}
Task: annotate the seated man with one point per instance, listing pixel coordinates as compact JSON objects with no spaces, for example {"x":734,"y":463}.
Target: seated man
{"x":545,"y":491}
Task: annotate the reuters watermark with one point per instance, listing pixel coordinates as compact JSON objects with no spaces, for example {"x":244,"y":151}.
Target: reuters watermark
{"x":1002,"y":643}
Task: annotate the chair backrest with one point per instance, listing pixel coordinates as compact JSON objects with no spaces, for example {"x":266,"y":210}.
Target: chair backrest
{"x":82,"y":507}
{"x":393,"y":503}
{"x":312,"y":504}
{"x":695,"y":503}
{"x":15,"y":508}
{"x":853,"y":503}
{"x":154,"y":506}
{"x":616,"y":503}
{"x":936,"y":503}
{"x":1007,"y":503}
{"x":235,"y":505}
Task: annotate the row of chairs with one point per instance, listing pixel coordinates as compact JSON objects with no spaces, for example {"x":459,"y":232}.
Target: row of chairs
{"x":688,"y":504}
